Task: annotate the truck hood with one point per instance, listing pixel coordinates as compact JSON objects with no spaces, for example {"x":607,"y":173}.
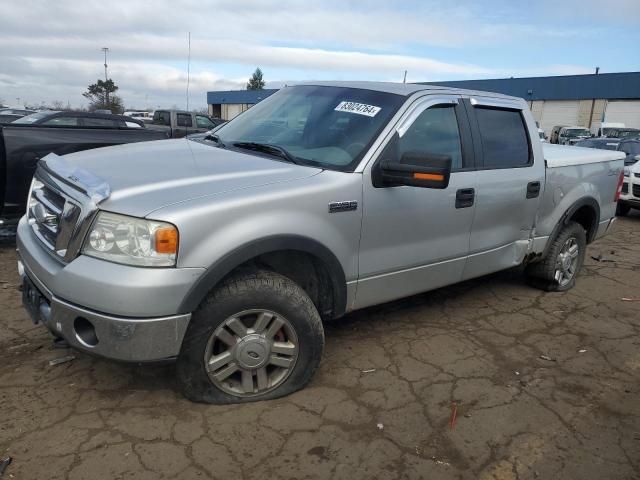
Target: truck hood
{"x":143,"y":177}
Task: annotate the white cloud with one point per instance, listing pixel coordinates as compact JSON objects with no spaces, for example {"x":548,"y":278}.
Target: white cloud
{"x":51,"y":50}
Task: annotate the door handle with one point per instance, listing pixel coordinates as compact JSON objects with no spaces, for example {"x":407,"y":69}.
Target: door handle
{"x":533,"y":189}
{"x":465,"y":197}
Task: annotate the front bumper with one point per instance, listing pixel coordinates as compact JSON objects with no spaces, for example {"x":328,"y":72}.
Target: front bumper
{"x":134,"y":312}
{"x":118,"y":338}
{"x":631,"y":188}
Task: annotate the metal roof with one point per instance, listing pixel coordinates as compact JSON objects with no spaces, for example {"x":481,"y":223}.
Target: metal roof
{"x":609,"y":86}
{"x":239,"y":96}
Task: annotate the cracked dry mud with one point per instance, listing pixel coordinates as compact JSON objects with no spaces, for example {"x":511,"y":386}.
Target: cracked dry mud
{"x":380,"y":404}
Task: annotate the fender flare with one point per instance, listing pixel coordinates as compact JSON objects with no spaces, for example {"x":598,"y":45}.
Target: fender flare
{"x":222,"y":267}
{"x":566,"y":217}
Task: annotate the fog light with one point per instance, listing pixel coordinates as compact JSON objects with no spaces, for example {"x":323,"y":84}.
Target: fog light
{"x":85,"y":332}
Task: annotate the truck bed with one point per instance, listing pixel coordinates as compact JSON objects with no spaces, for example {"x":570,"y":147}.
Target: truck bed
{"x":573,"y":173}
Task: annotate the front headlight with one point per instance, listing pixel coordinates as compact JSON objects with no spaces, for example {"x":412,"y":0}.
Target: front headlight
{"x":627,"y":171}
{"x":132,"y":241}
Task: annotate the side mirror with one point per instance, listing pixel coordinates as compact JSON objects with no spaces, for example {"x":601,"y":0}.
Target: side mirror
{"x":637,"y":158}
{"x":415,"y":169}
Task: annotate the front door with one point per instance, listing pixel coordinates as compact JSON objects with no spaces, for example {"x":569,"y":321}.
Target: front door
{"x":416,"y":239}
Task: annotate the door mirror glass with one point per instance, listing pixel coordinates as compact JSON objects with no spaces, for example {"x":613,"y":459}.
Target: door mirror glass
{"x":417,"y":169}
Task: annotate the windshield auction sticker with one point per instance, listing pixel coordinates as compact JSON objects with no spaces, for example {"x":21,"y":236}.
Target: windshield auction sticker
{"x":359,"y":108}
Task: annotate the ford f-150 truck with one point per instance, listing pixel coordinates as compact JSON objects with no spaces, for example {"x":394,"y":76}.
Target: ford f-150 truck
{"x":227,"y":253}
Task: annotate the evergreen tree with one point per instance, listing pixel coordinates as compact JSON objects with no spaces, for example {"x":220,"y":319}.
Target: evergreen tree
{"x":256,"y":82}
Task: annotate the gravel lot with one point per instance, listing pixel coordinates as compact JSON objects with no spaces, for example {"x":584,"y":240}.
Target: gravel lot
{"x":545,"y":386}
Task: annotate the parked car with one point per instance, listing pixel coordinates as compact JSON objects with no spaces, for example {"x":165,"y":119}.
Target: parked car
{"x":8,"y":115}
{"x":623,"y":132}
{"x":630,"y":195}
{"x":227,"y":254}
{"x":631,"y":148}
{"x":52,"y":118}
{"x":600,"y":142}
{"x":181,"y":123}
{"x":603,"y":129}
{"x":25,"y":141}
{"x":555,"y":132}
{"x":571,"y":135}
{"x":541,"y":134}
{"x":146,"y":117}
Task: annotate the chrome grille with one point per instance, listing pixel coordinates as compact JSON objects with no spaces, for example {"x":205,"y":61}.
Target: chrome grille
{"x":52,"y":216}
{"x":637,"y":175}
{"x":636,"y":190}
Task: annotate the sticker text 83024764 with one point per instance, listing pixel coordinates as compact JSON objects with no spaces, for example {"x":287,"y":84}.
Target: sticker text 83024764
{"x":359,"y":108}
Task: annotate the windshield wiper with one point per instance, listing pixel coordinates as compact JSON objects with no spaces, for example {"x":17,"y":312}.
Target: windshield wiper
{"x":215,"y":138}
{"x":268,"y":148}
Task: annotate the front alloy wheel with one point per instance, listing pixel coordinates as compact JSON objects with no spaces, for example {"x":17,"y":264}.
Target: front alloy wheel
{"x":251,"y":353}
{"x":257,"y":336}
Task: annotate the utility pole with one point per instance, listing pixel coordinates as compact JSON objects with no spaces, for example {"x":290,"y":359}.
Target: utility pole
{"x":106,"y":78}
{"x":405,"y":77}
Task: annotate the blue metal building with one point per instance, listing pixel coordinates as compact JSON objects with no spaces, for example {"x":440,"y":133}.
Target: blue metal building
{"x":584,"y":100}
{"x":227,"y":104}
{"x":607,"y":86}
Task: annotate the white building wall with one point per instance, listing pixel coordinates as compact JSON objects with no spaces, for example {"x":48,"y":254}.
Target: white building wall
{"x":623,"y":111}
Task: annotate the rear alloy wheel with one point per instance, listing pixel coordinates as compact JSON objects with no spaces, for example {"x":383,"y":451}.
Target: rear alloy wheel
{"x":567,"y":262}
{"x":558,"y":270}
{"x":257,"y":336}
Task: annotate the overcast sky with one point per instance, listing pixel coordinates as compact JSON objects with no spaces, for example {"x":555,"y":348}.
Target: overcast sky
{"x":50,"y":50}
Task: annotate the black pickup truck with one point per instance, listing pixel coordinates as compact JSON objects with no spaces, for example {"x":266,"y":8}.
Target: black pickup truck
{"x":28,"y":139}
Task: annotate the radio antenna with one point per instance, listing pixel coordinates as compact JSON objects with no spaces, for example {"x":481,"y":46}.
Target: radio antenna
{"x":188,"y":70}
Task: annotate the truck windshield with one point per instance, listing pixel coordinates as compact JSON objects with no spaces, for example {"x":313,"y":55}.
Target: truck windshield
{"x":328,"y":127}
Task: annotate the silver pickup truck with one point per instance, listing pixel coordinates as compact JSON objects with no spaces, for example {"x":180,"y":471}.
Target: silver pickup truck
{"x":227,"y":253}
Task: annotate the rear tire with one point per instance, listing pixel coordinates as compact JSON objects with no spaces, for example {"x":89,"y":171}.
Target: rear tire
{"x":622,"y":209}
{"x":260,"y":326}
{"x":557,"y":272}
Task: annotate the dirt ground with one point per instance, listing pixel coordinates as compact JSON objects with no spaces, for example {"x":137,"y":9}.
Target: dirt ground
{"x":545,"y":386}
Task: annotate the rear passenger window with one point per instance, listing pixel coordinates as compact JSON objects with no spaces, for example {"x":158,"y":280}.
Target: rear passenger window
{"x":61,"y":122}
{"x":434,"y":131}
{"x":505,"y":143}
{"x":162,"y":118}
{"x":184,"y":120}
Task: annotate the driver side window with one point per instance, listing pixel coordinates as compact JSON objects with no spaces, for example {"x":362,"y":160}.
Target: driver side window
{"x":435,"y":131}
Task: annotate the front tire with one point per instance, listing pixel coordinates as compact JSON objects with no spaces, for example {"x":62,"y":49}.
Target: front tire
{"x":257,"y":336}
{"x":557,"y":272}
{"x":622,"y":209}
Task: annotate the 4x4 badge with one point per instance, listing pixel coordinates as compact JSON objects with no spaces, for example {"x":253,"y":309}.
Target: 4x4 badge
{"x":343,"y":206}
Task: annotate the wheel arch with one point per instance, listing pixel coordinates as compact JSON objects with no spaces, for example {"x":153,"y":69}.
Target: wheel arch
{"x":258,"y":250}
{"x":586,"y":212}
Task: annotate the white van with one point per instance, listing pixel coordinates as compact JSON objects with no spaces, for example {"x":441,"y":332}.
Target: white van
{"x":603,"y":129}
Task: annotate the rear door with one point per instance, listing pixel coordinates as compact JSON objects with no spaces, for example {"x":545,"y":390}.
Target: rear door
{"x":509,"y":183}
{"x":184,"y":125}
